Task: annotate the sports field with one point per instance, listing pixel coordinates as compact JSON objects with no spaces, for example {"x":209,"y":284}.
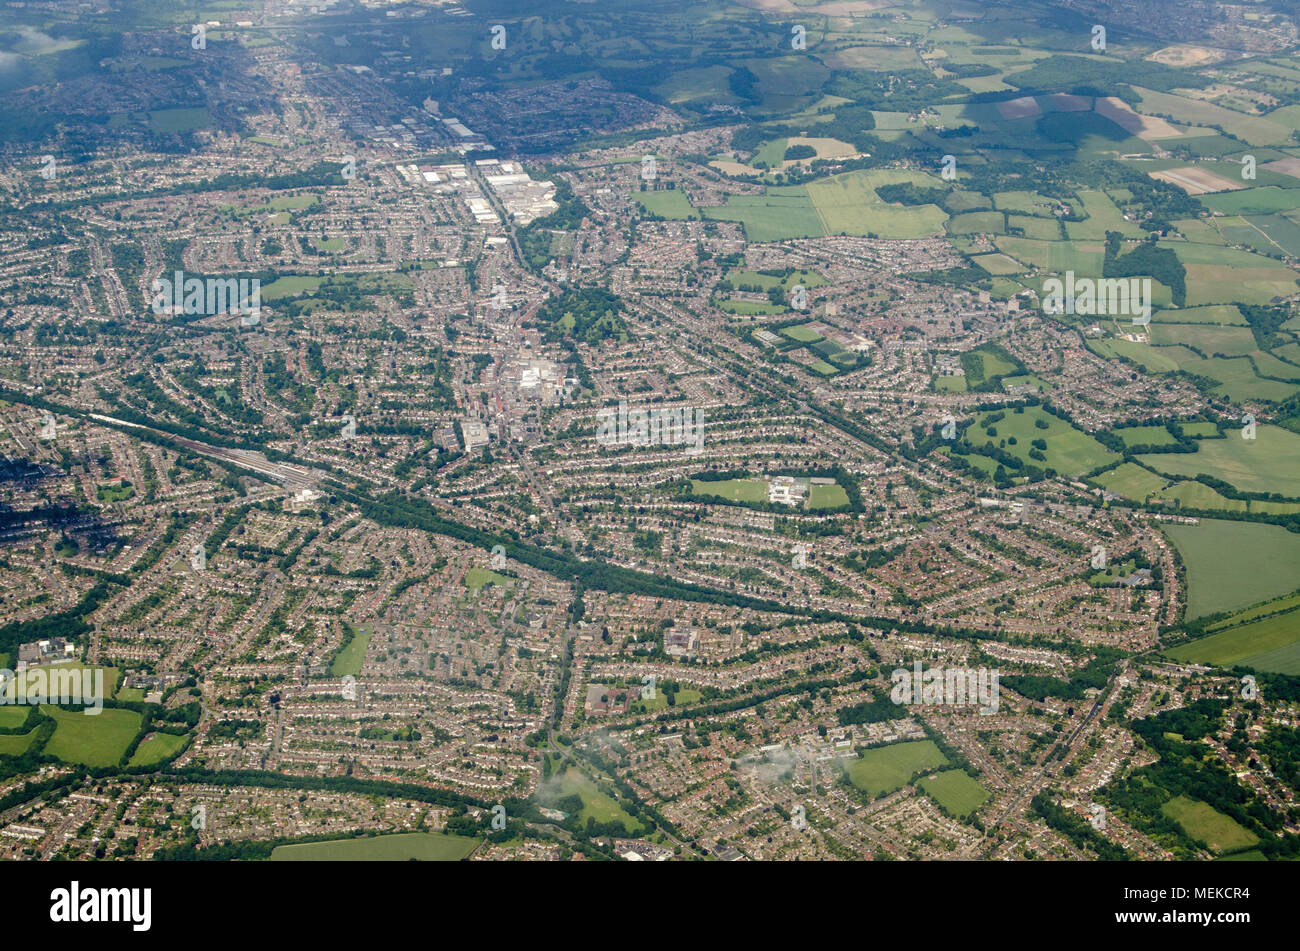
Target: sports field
{"x":955,"y":792}
{"x":737,"y":490}
{"x":887,"y":768}
{"x":402,"y":847}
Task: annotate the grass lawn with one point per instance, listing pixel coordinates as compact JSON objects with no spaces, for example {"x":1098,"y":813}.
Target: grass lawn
{"x":737,"y":490}
{"x":1144,"y":436}
{"x":349,"y":659}
{"x":402,"y":847}
{"x":155,"y":748}
{"x":827,"y":497}
{"x":1070,"y":451}
{"x":1232,"y":565}
{"x":595,"y":804}
{"x":478,"y":578}
{"x":98,"y":740}
{"x":887,"y":768}
{"x":955,"y":792}
{"x":1208,"y":826}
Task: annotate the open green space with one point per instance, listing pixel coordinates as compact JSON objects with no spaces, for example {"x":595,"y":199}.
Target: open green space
{"x":98,"y":740}
{"x":955,"y":791}
{"x":1208,"y":826}
{"x":884,"y":769}
{"x":400,"y":847}
{"x":1232,"y":565}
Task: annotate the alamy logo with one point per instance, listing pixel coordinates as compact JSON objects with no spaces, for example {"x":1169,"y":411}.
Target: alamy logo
{"x":955,"y":686}
{"x":671,"y":426}
{"x":74,"y":904}
{"x":1114,"y":296}
{"x":74,"y":686}
{"x":213,"y":295}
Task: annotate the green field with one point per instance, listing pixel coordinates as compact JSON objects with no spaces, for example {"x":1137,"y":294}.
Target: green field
{"x":1271,"y":644}
{"x":955,"y":791}
{"x":1268,"y":463}
{"x":401,"y":847}
{"x":668,"y":203}
{"x":1070,"y":451}
{"x":1208,"y":826}
{"x":737,"y":490}
{"x":887,"y":768}
{"x":98,"y":740}
{"x":1144,"y":436}
{"x":595,"y":804}
{"x":351,"y":657}
{"x":15,"y":744}
{"x":478,"y":578}
{"x":827,"y":497}
{"x":155,"y":748}
{"x":1232,"y":565}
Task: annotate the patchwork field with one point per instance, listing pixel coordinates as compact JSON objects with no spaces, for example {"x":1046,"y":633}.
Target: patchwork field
{"x":1269,"y":463}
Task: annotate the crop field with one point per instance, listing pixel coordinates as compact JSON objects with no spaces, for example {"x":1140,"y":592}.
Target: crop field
{"x":777,"y":214}
{"x":848,"y":204}
{"x":1254,"y":130}
{"x":400,"y":847}
{"x":1271,"y":644}
{"x":1269,"y":463}
{"x":1208,"y":826}
{"x":955,"y":791}
{"x":1232,"y":565}
{"x":886,"y":768}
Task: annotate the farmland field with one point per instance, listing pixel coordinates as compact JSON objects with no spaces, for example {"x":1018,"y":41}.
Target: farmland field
{"x":1268,"y":463}
{"x":1232,"y":565}
{"x":1271,"y":644}
{"x":400,"y":847}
